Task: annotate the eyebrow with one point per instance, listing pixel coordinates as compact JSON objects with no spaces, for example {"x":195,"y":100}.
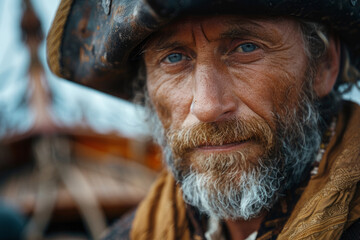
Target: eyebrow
{"x":237,"y":29}
{"x":161,"y":41}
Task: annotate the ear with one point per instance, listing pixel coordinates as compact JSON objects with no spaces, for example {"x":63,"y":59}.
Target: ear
{"x":328,"y":69}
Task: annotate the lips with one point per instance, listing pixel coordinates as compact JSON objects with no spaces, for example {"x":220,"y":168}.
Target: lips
{"x":229,"y":135}
{"x":229,"y":144}
{"x":222,"y":147}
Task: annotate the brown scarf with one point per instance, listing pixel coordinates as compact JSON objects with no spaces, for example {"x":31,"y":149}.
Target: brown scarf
{"x":329,"y":204}
{"x":331,"y":201}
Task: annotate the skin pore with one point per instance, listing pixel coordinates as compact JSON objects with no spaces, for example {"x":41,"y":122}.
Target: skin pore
{"x":216,"y":77}
{"x":213,"y":69}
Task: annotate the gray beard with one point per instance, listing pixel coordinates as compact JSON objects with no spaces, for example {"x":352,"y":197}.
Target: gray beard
{"x":245,"y":194}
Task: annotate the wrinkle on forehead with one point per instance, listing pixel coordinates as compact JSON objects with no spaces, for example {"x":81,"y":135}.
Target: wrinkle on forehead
{"x":203,"y":32}
{"x":236,"y":27}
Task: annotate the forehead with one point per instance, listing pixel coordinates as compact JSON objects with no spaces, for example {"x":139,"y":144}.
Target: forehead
{"x":274,"y":29}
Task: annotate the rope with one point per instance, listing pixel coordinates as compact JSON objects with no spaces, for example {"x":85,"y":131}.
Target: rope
{"x":55,"y":37}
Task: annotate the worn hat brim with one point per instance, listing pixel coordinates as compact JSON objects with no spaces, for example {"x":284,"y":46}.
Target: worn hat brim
{"x":91,"y":42}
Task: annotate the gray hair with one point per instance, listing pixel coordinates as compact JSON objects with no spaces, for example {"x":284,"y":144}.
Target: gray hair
{"x":299,"y":141}
{"x":316,"y":39}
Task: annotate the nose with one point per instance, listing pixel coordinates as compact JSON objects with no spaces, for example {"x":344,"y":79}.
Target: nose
{"x":212,"y":97}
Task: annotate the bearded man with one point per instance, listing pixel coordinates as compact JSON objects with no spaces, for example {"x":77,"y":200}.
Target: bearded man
{"x":245,"y":99}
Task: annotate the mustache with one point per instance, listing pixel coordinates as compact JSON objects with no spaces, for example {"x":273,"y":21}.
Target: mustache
{"x":235,"y":130}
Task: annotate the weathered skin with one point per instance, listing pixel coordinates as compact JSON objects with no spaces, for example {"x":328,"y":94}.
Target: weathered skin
{"x":100,"y":36}
{"x":215,"y":80}
{"x":214,"y":69}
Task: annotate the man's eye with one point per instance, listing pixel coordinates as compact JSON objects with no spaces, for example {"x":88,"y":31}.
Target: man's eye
{"x":174,"y":58}
{"x":246,"y":47}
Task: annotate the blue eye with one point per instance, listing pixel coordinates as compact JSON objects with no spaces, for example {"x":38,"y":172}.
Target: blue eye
{"x":174,"y":58}
{"x":246,"y":47}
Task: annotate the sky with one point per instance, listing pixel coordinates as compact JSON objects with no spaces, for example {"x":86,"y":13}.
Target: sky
{"x":72,"y":103}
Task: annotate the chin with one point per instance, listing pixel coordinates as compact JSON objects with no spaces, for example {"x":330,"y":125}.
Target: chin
{"x":220,"y":162}
{"x":230,"y":191}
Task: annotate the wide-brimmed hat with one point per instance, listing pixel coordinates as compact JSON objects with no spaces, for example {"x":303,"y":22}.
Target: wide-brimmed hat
{"x":92,"y":42}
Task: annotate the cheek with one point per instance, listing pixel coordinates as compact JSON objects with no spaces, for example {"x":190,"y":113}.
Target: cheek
{"x":266,"y":88}
{"x":254,"y":86}
{"x":171,"y":98}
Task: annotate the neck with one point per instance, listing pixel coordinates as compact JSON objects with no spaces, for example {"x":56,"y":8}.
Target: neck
{"x":241,"y":229}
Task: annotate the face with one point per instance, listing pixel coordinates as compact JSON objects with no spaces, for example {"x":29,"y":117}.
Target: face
{"x":216,"y":69}
{"x":223,"y":88}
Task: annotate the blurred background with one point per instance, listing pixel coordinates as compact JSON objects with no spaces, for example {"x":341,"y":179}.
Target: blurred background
{"x":72,"y":160}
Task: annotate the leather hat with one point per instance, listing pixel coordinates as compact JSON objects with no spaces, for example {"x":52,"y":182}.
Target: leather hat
{"x":92,"y":42}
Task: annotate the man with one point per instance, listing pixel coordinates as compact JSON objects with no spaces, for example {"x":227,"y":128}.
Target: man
{"x":244,"y":98}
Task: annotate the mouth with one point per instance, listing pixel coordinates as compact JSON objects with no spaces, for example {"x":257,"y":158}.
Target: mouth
{"x":223,"y":147}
